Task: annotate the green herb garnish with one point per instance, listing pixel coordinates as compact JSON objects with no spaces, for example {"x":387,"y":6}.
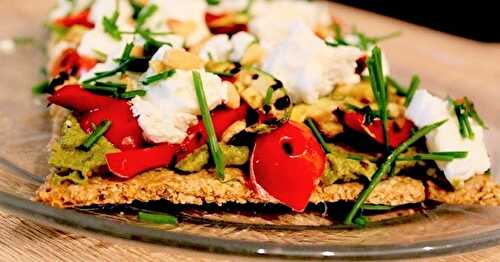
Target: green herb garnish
{"x":110,"y":26}
{"x":400,"y":90}
{"x":379,"y":88}
{"x":213,"y":2}
{"x":41,"y":88}
{"x":365,"y":42}
{"x":144,"y":14}
{"x":157,"y":218}
{"x":376,"y":207}
{"x":269,"y":96}
{"x":131,"y":94}
{"x":436,"y":156}
{"x":463,"y":115}
{"x":318,"y":135}
{"x":126,"y":52}
{"x":385,"y":168}
{"x":100,"y":75}
{"x":471,"y":112}
{"x":158,"y":77}
{"x":114,"y":89}
{"x":415,"y":82}
{"x":209,"y":126}
{"x":96,"y":134}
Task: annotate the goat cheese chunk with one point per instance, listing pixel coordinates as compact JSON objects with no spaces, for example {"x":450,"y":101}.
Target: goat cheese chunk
{"x":191,"y":13}
{"x":97,"y":40}
{"x":308,"y":67}
{"x":271,"y":19}
{"x":216,"y":48}
{"x":240,"y":43}
{"x":170,"y":106}
{"x":426,"y":109}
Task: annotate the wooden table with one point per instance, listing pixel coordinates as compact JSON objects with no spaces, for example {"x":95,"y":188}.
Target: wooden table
{"x":22,"y":240}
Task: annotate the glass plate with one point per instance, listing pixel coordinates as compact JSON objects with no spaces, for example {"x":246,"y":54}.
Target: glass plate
{"x":25,"y":130}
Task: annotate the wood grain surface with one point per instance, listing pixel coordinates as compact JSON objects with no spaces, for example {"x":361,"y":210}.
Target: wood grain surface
{"x":22,"y":240}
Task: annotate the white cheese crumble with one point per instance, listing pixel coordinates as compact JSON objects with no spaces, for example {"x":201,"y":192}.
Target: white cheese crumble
{"x":170,"y":106}
{"x":240,"y":42}
{"x":97,"y":40}
{"x":184,"y":11}
{"x":308,"y":67}
{"x":67,"y":7}
{"x":271,"y":19}
{"x":216,"y":48}
{"x":426,"y":109}
{"x":7,"y":46}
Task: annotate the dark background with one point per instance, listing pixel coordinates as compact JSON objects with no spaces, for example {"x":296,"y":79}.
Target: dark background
{"x":478,"y":19}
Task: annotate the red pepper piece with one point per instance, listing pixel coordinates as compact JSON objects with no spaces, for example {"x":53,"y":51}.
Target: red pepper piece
{"x":227,"y":29}
{"x":286,"y":164}
{"x":77,"y":99}
{"x":81,"y":18}
{"x":70,"y":61}
{"x":397,"y":133}
{"x":130,"y":163}
{"x":124,"y":132}
{"x":222,"y":120}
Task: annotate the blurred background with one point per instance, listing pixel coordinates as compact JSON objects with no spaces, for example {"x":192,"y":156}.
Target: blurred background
{"x":478,"y":20}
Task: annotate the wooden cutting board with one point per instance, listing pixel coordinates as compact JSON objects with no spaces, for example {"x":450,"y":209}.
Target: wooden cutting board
{"x":21,"y":240}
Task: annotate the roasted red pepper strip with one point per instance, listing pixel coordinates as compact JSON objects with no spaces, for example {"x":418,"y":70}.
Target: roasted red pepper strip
{"x":81,"y":18}
{"x":128,"y":164}
{"x":131,"y":163}
{"x":70,"y":61}
{"x":397,"y":133}
{"x":124,"y":132}
{"x":286,"y":164}
{"x":228,"y":29}
{"x":77,"y":99}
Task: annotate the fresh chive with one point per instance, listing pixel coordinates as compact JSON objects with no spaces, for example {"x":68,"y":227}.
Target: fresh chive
{"x":126,"y":52}
{"x":213,"y":2}
{"x":385,"y":167}
{"x":376,"y":207}
{"x":436,"y":156}
{"x":361,"y":221}
{"x":94,"y":137}
{"x":157,"y":218}
{"x":207,"y":122}
{"x":471,"y":111}
{"x":144,"y":14}
{"x":100,"y":75}
{"x":110,"y":26}
{"x":339,"y":35}
{"x":41,"y":88}
{"x":415,"y":82}
{"x":131,"y":94}
{"x":248,"y":7}
{"x":379,"y":88}
{"x":354,"y":157}
{"x":365,"y":42}
{"x":106,"y":87}
{"x":463,"y":119}
{"x":400,"y":90}
{"x":318,"y":135}
{"x":269,"y":96}
{"x":158,"y":77}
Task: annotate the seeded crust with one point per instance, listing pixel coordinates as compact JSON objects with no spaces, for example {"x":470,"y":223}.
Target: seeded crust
{"x":479,"y":190}
{"x":204,"y":187}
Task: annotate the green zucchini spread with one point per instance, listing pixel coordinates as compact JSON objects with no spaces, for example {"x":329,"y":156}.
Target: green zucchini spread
{"x":233,"y":156}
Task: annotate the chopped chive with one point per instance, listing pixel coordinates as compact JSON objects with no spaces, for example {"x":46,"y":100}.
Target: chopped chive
{"x":109,"y":24}
{"x":126,"y":52}
{"x":157,"y":218}
{"x":471,"y":110}
{"x":209,"y":126}
{"x":144,"y":14}
{"x":213,"y":2}
{"x":318,"y":135}
{"x":376,"y":207}
{"x":385,"y":167}
{"x":96,"y":134}
{"x":106,"y":87}
{"x":365,"y":42}
{"x":354,"y":157}
{"x":400,"y":90}
{"x":100,"y":75}
{"x":379,"y":88}
{"x":415,"y":82}
{"x":131,"y":94}
{"x":436,"y":156}
{"x":339,"y":35}
{"x":361,"y":221}
{"x":41,"y":88}
{"x":463,"y":120}
{"x":158,"y":77}
{"x":269,"y":96}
